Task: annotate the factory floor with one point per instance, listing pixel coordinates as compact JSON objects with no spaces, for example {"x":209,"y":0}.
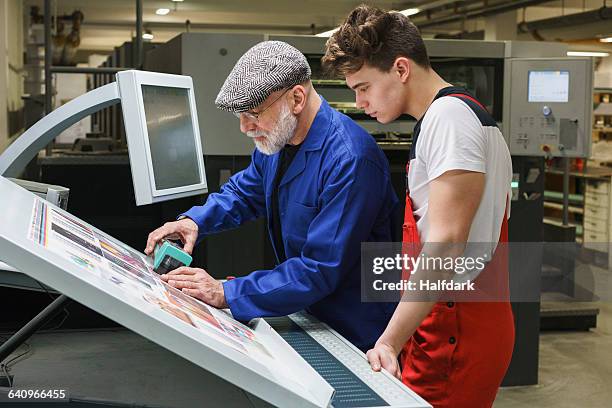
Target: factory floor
{"x":575,"y":370}
{"x":118,"y":368}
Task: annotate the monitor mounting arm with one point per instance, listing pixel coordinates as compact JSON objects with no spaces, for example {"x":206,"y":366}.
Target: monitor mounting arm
{"x":16,"y":157}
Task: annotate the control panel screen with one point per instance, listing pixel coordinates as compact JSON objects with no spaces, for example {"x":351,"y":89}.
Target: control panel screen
{"x":548,"y":86}
{"x":171,"y":136}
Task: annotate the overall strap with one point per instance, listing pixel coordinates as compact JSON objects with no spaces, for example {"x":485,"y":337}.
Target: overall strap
{"x":468,"y":97}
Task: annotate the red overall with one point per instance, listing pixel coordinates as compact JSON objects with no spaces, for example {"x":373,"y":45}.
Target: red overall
{"x":459,"y":354}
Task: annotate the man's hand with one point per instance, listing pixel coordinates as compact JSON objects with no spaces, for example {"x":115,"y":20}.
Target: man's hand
{"x":384,"y":356}
{"x":199,"y":284}
{"x":186,"y":230}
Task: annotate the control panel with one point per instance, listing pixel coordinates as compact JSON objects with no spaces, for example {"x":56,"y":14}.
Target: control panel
{"x":550,"y":109}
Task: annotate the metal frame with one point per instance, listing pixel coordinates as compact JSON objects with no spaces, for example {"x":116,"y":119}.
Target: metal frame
{"x":16,"y":157}
{"x":46,"y":315}
{"x":87,"y":70}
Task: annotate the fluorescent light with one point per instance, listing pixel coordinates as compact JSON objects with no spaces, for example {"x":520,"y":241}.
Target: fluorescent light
{"x":587,"y":54}
{"x":147,"y":36}
{"x":327,"y":33}
{"x":162,"y":11}
{"x":410,"y":11}
{"x":177,"y":1}
{"x":606,"y":40}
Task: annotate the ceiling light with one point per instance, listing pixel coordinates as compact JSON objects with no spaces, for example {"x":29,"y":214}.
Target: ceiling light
{"x":177,"y":1}
{"x":162,"y":11}
{"x":606,"y":40}
{"x":410,"y":11}
{"x":327,"y":33}
{"x":147,"y":35}
{"x":587,"y":54}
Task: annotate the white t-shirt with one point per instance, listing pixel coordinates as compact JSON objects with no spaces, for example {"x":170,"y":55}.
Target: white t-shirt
{"x":453,"y":137}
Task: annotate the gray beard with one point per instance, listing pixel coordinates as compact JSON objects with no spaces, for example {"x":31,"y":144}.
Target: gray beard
{"x":279,"y":136}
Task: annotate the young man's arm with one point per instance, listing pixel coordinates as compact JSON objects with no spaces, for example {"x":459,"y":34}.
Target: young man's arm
{"x":454,"y":198}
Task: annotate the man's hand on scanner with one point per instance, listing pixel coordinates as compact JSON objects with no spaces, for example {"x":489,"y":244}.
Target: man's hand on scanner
{"x":199,"y":284}
{"x":184,"y":229}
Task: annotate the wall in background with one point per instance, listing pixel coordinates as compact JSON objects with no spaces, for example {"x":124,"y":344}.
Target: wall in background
{"x":15,"y":50}
{"x":15,"y":41}
{"x":3,"y":76}
{"x":603,"y":74}
{"x":11,"y":64}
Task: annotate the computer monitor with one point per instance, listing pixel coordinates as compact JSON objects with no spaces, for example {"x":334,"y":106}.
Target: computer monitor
{"x":163,"y":136}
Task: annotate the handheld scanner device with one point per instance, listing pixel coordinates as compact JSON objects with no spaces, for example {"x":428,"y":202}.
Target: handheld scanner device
{"x":169,"y":256}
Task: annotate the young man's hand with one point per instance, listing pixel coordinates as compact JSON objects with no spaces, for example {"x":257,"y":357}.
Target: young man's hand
{"x":384,"y":356}
{"x":199,"y":284}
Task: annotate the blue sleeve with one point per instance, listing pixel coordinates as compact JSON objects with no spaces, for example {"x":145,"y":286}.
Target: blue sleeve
{"x":241,"y":199}
{"x":349,"y":204}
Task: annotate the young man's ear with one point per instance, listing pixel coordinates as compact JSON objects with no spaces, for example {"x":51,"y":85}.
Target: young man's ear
{"x":402,"y":67}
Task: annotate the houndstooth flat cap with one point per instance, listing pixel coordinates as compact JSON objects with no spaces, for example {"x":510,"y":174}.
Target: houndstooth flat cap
{"x":267,"y":67}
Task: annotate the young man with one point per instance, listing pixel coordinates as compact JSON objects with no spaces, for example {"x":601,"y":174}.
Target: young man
{"x":324,"y":186}
{"x":454,"y":354}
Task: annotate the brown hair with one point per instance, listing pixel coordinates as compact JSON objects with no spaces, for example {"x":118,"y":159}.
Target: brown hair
{"x":375,"y":37}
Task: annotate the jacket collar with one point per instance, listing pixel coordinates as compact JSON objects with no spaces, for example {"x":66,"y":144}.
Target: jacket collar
{"x":319,"y":128}
{"x":314,"y":141}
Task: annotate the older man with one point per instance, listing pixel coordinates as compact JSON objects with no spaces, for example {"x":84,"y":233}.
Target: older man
{"x":324,"y":186}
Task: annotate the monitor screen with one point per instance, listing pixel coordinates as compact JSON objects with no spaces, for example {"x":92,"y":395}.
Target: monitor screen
{"x":548,"y":86}
{"x":171,"y":136}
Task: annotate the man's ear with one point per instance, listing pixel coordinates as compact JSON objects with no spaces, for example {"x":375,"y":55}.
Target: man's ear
{"x":401,"y":66}
{"x":298,"y":96}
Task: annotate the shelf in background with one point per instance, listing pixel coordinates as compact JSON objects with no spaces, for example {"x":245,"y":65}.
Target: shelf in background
{"x":557,"y":196}
{"x":591,"y":172}
{"x":559,"y":206}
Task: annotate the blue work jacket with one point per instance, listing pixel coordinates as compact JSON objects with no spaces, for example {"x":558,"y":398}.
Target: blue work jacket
{"x":336,"y":194}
